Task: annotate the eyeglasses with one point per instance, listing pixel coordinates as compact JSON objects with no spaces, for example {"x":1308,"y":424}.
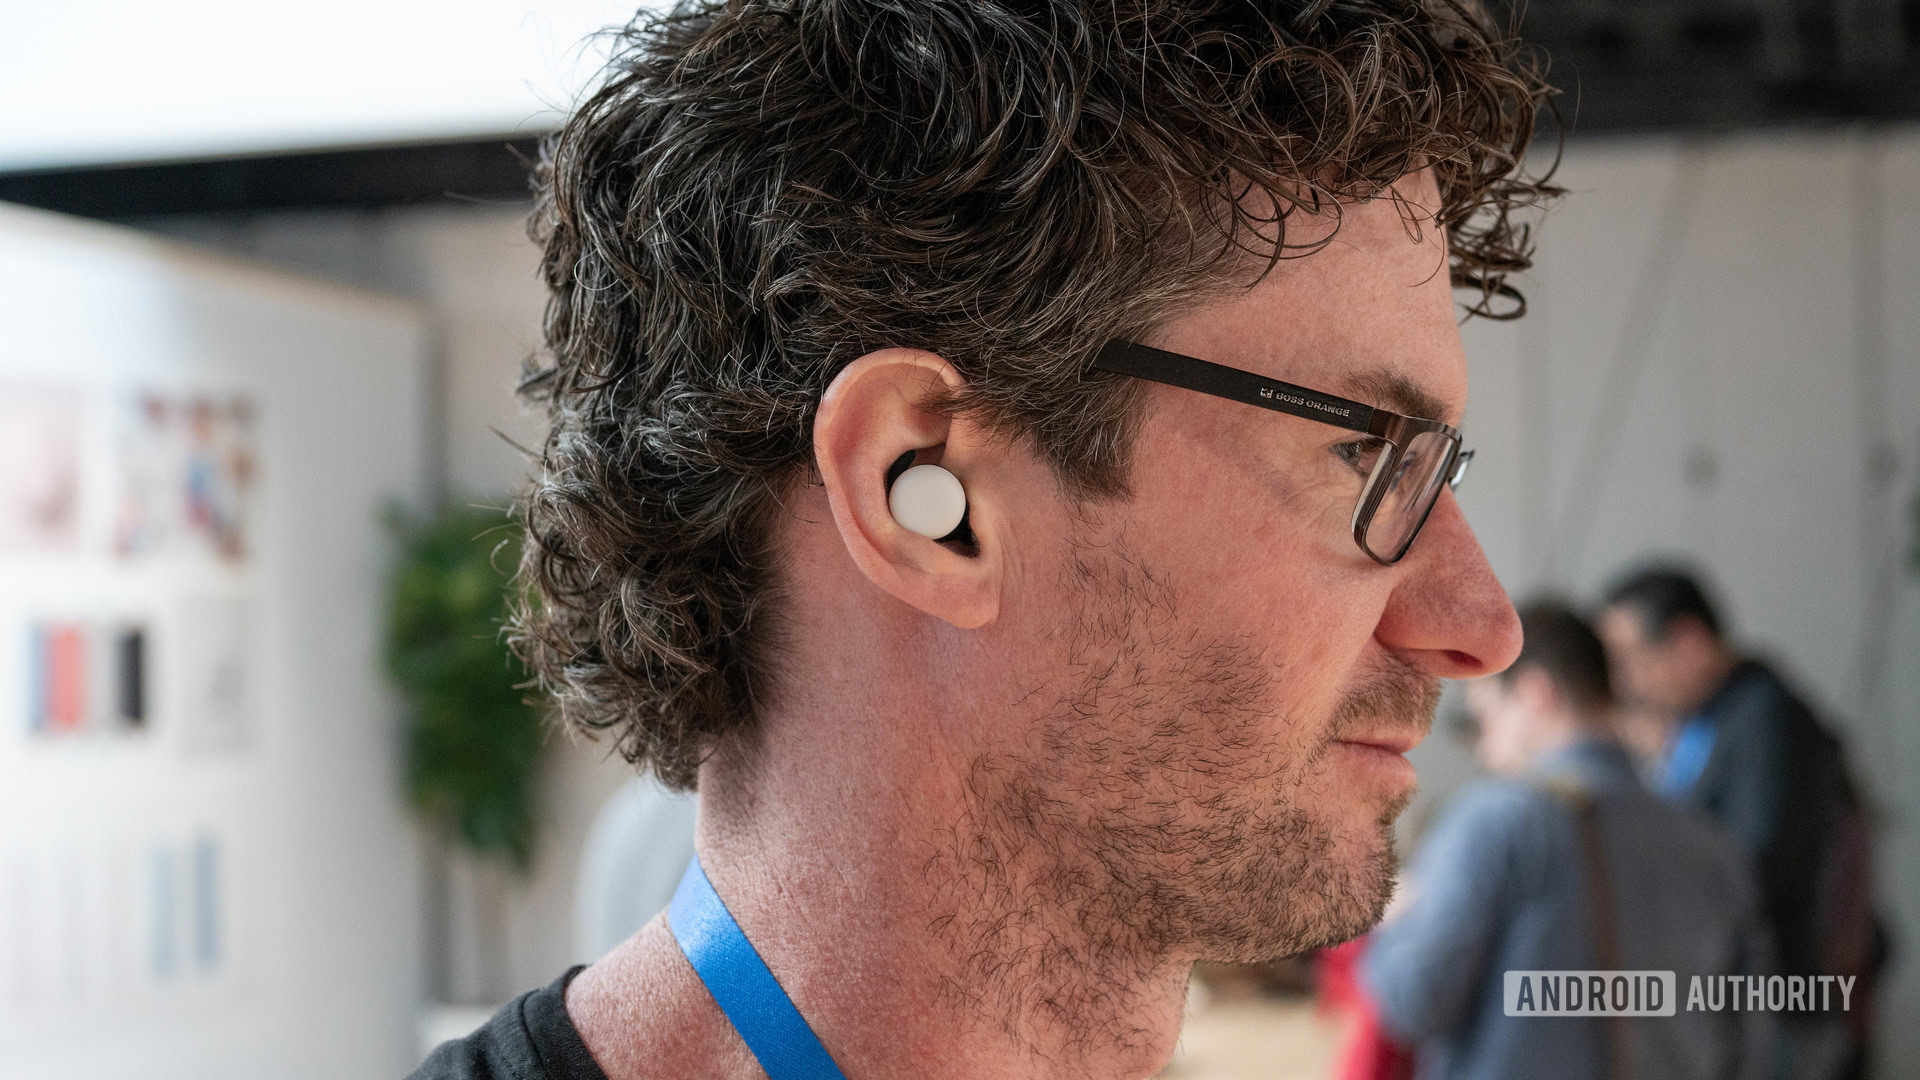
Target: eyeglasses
{"x":1406,"y":460}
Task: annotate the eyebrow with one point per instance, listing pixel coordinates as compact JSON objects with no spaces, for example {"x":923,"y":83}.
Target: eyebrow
{"x":1387,"y":389}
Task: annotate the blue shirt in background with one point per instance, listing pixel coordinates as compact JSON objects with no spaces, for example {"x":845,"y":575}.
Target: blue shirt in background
{"x":1687,"y":755}
{"x":1499,"y":886}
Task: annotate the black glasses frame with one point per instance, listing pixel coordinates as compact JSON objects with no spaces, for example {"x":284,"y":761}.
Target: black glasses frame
{"x":1396,"y":430}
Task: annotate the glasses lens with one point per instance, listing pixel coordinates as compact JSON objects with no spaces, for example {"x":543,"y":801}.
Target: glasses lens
{"x":1416,"y":479}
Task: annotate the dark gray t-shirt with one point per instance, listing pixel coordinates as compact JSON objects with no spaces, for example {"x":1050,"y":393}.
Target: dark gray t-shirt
{"x":530,"y":1038}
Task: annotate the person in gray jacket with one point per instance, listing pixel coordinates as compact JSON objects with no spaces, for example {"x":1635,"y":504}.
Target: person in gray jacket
{"x":1564,"y":862}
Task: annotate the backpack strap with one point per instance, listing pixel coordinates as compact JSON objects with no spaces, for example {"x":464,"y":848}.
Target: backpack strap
{"x":1579,"y":802}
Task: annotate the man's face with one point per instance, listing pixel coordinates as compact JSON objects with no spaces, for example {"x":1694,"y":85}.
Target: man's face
{"x":1215,"y":686}
{"x":1645,"y":671}
{"x":1506,"y":723}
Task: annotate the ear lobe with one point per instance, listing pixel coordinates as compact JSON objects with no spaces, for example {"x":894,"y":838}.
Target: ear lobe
{"x":869,"y":420}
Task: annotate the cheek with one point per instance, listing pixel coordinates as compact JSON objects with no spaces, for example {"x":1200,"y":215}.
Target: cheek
{"x":1306,"y":623}
{"x":1264,"y":559}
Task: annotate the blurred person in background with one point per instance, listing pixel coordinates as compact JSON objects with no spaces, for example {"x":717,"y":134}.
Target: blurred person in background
{"x":1747,"y":752}
{"x":1564,"y":862}
{"x":975,"y":796}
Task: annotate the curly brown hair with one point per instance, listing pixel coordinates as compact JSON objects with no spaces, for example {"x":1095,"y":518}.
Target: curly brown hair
{"x":763,"y":190}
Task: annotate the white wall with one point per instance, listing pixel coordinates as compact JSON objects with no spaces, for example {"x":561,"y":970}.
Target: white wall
{"x":315,"y":894}
{"x":475,"y":271}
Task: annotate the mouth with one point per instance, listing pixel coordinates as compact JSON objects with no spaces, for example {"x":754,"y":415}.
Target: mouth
{"x":1392,"y":742}
{"x":1378,"y":759}
{"x":1383,"y":718}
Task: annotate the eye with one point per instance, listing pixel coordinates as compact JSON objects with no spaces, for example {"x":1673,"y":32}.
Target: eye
{"x":1360,"y":455}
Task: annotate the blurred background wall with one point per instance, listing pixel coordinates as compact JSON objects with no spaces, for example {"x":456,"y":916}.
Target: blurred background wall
{"x":474,"y":270}
{"x":202,"y":859}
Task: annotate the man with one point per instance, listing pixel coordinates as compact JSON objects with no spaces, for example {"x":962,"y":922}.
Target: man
{"x":972,"y":803}
{"x":1744,"y":750}
{"x":1507,"y":882}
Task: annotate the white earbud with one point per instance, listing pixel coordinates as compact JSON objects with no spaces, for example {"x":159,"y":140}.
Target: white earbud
{"x":928,"y":500}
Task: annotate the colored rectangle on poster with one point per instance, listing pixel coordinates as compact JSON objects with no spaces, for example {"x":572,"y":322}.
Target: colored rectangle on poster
{"x":215,"y":672}
{"x":130,"y":669}
{"x":86,"y":676}
{"x":206,"y":902}
{"x":184,"y":474}
{"x":66,"y":677}
{"x":37,"y":688}
{"x":40,"y":468}
{"x":163,"y":914}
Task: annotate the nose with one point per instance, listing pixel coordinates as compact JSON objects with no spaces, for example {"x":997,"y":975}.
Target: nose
{"x":1449,"y":615}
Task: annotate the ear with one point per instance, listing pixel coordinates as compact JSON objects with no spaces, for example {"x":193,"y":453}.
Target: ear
{"x":870,"y":417}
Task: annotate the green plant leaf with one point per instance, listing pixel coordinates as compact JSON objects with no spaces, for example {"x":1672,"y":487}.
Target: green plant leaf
{"x":473,"y":738}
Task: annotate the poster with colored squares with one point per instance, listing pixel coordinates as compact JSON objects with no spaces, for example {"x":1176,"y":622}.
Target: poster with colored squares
{"x":186,"y":465}
{"x":86,"y":676}
{"x":40,"y":469}
{"x":103,"y":925}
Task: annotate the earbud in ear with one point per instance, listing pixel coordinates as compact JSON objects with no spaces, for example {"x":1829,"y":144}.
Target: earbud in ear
{"x":928,"y":500}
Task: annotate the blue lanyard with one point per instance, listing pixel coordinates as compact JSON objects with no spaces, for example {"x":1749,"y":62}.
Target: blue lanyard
{"x":742,"y":986}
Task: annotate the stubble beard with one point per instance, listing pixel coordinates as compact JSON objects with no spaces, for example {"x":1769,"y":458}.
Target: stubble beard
{"x":1151,"y":818}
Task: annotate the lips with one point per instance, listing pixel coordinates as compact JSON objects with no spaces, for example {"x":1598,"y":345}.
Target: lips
{"x":1390,"y":710}
{"x":1393,"y":742}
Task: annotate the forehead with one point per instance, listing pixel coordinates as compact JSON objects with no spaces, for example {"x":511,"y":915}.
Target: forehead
{"x":1369,"y":316}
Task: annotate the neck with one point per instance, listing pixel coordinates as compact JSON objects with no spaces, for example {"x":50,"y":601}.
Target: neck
{"x":909,"y":941}
{"x":1715,"y":672}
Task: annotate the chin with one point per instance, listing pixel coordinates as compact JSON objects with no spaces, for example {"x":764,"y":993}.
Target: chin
{"x":1370,"y":868}
{"x":1330,"y":885}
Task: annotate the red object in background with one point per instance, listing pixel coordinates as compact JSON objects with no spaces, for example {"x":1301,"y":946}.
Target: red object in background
{"x":1369,"y":1054}
{"x":66,"y":706}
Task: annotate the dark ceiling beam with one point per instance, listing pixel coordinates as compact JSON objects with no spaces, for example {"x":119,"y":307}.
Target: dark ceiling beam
{"x":489,"y":169}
